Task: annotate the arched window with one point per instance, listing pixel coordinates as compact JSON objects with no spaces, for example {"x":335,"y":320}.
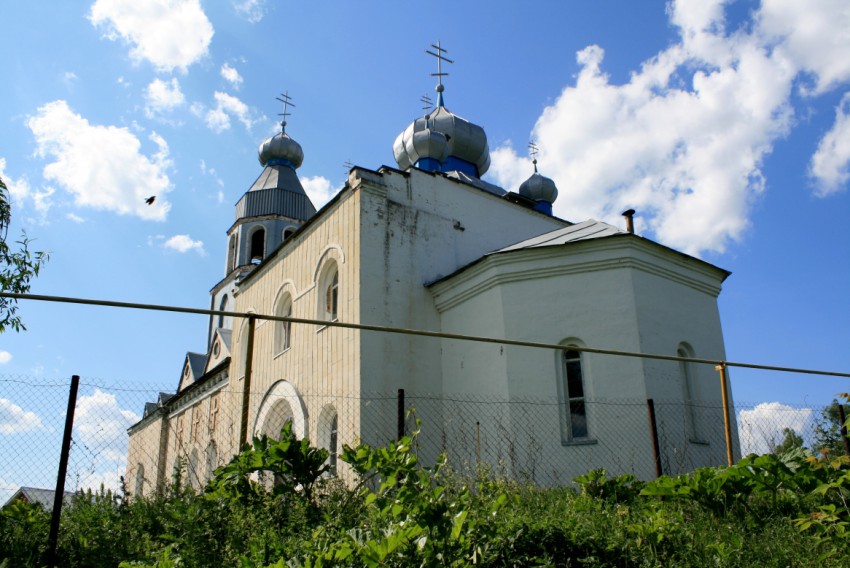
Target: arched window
{"x":690,"y":394}
{"x":283,"y":329}
{"x":331,"y":300}
{"x":140,"y":480}
{"x":328,"y":435}
{"x":211,"y":459}
{"x":231,"y":252}
{"x":258,"y":246}
{"x":222,"y":306}
{"x":573,"y":404}
{"x":287,"y":232}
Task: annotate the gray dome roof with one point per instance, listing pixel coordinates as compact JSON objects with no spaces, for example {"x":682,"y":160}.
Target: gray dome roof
{"x":539,"y":188}
{"x":423,"y":139}
{"x":281,"y":148}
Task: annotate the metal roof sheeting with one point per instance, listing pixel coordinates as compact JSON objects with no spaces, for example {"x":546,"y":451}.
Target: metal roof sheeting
{"x":277,"y":191}
{"x":590,"y":229}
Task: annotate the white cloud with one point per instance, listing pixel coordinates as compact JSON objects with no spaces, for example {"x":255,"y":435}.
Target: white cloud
{"x":218,"y":118}
{"x":830,"y":165}
{"x":69,"y":77}
{"x":163,"y":96}
{"x":14,"y":419}
{"x":75,"y":218}
{"x":251,"y":10}
{"x":100,"y":429}
{"x":101,"y":425}
{"x":5,"y":357}
{"x":184,"y":243}
{"x":231,"y":75}
{"x":760,"y":429}
{"x":24,"y":195}
{"x":170,"y":34}
{"x":683,"y":140}
{"x":319,"y":190}
{"x":813,"y":34}
{"x":101,"y":166}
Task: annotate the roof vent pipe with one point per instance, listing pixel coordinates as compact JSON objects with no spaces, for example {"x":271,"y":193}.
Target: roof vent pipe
{"x":630,"y":222}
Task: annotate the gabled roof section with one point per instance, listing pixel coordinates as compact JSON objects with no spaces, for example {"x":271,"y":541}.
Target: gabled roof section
{"x":193,"y":368}
{"x":219,"y":348}
{"x":590,"y":229}
{"x":44,"y":497}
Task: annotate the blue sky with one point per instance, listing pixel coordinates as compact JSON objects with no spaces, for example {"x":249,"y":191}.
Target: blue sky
{"x":726,"y":125}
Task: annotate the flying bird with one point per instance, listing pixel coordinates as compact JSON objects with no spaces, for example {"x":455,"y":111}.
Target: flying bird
{"x":150,"y":199}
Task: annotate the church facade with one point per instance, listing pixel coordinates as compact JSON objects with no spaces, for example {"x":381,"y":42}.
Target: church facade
{"x":429,"y":245}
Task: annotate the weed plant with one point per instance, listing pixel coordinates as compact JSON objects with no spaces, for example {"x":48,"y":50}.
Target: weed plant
{"x":789,"y":510}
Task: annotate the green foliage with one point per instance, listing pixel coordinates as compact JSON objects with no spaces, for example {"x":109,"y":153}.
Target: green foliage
{"x":621,"y":489}
{"x":789,"y":510}
{"x":292,"y":464}
{"x":413,"y":516}
{"x":24,"y":528}
{"x":17,"y":268}
{"x":827,"y":432}
{"x":790,"y":441}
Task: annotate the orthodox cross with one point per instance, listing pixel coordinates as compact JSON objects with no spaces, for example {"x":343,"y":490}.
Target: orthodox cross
{"x":287,"y":102}
{"x":532,"y":151}
{"x":440,"y":58}
{"x":426,"y":100}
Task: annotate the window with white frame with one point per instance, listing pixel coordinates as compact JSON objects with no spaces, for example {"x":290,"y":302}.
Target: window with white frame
{"x":330,"y":300}
{"x":283,"y":329}
{"x":573,"y":404}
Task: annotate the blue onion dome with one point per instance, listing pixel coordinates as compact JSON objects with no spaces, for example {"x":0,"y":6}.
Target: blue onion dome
{"x":281,"y":150}
{"x":539,"y":188}
{"x":443,"y":141}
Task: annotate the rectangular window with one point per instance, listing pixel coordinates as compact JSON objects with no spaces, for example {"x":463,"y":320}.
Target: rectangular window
{"x":574,"y":409}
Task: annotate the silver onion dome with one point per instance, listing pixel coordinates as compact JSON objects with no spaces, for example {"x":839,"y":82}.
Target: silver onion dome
{"x":539,"y":188}
{"x":281,"y":149}
{"x":423,"y":139}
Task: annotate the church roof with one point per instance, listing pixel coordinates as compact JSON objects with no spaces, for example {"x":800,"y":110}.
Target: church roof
{"x":277,"y":191}
{"x":43,"y":497}
{"x":196,"y":361}
{"x":590,"y":229}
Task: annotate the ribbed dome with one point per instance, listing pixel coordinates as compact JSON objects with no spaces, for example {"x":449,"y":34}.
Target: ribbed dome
{"x":422,"y":140}
{"x":539,"y":188}
{"x":280,"y":149}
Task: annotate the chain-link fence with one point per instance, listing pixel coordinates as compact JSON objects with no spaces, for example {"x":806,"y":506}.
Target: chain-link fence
{"x":522,"y":438}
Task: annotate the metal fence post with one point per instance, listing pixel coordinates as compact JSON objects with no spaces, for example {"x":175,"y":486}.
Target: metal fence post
{"x":400,"y":415}
{"x":246,"y":390}
{"x":842,"y":425}
{"x":653,"y":429}
{"x":724,"y":393}
{"x":53,"y":537}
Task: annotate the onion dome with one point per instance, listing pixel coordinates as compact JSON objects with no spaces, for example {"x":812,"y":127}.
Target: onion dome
{"x":541,"y":189}
{"x":281,"y":150}
{"x":443,"y":141}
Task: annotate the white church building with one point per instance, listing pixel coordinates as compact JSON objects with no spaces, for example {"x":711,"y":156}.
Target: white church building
{"x":429,"y":245}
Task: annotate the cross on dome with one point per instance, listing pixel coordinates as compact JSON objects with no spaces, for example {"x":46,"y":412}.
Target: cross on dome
{"x":287,"y":102}
{"x":439,"y":74}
